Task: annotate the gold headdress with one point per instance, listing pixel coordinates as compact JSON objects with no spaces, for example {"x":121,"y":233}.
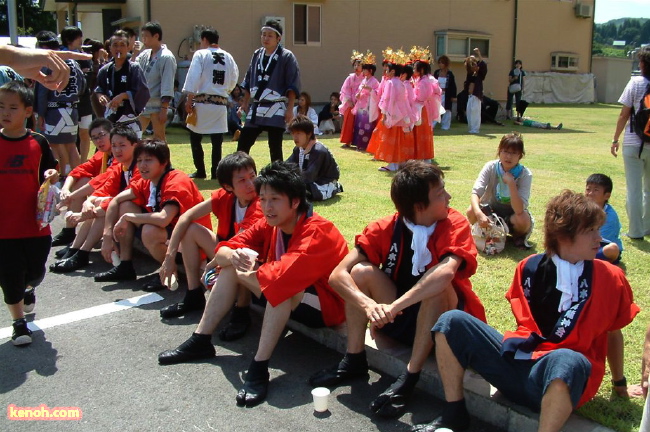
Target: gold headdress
{"x":388,"y":54}
{"x":420,"y":54}
{"x":368,"y":58}
{"x":401,"y":58}
{"x":356,"y":56}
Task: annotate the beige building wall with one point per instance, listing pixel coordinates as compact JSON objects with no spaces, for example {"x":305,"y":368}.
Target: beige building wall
{"x":612,"y":75}
{"x":544,"y":26}
{"x":91,"y":25}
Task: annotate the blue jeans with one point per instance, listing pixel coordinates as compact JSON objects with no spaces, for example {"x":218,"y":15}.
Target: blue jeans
{"x":517,"y":96}
{"x":478,"y":346}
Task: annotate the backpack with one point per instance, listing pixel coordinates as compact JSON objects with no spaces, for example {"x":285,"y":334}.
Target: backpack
{"x":640,"y":122}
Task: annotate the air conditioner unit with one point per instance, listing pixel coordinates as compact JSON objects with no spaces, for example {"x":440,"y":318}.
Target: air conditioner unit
{"x":584,"y":10}
{"x":276,"y":18}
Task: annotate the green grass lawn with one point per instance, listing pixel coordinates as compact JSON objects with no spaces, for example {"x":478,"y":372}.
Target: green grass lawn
{"x":558,"y":159}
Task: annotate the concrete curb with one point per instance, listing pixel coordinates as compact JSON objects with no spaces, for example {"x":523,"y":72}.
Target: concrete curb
{"x":391,"y":357}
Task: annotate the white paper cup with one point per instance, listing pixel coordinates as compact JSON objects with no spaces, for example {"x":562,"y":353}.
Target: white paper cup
{"x":115,"y":258}
{"x":172,"y":282}
{"x":321,"y":396}
{"x":252,"y":255}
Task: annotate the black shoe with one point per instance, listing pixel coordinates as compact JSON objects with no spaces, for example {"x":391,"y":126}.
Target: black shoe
{"x":29,"y":300}
{"x":61,"y":253}
{"x":153,"y":286}
{"x":234,"y":330}
{"x":392,"y":402}
{"x":22,"y":334}
{"x":192,"y":349}
{"x":65,"y":237}
{"x":75,"y":262}
{"x":180,"y":309}
{"x":254,"y":392}
{"x":198,"y":175}
{"x":438,"y":423}
{"x":122,"y":272}
{"x":336,"y":376}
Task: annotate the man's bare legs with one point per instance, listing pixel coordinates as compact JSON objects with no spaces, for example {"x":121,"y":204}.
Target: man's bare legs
{"x":126,"y":239}
{"x":125,"y":270}
{"x":157,"y":125}
{"x":373,"y":283}
{"x":556,"y":407}
{"x":219,"y":302}
{"x":84,"y":144}
{"x":154,"y":239}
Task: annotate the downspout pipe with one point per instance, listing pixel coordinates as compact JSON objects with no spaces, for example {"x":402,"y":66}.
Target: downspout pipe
{"x":514,"y":35}
{"x":591,"y":42}
{"x":148,"y":10}
{"x":13,"y":21}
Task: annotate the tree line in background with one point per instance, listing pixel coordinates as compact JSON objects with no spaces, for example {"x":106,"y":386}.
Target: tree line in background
{"x":31,"y":18}
{"x":632,"y":31}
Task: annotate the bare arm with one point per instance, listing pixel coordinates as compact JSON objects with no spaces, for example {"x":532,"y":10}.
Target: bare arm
{"x":246,"y":101}
{"x":288,"y":115}
{"x":160,"y":219}
{"x":29,"y":62}
{"x":341,"y":280}
{"x":184,"y":222}
{"x":515,"y":199}
{"x":482,"y":219}
{"x":432,"y":283}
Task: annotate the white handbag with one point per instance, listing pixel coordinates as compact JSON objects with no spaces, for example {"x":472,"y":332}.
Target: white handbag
{"x":491,"y":240}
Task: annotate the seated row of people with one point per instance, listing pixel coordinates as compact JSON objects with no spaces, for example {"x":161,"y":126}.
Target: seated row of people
{"x":374,"y":279}
{"x":404,"y":275}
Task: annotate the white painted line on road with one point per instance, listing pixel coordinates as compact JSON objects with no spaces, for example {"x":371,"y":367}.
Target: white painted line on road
{"x":83,"y":314}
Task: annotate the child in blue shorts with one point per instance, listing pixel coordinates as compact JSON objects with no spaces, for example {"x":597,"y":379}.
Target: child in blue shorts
{"x":599,"y":189}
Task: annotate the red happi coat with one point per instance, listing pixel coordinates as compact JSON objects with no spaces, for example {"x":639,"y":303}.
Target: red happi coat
{"x":606,"y":304}
{"x":113,"y":181}
{"x":451,"y":236}
{"x":222,"y":207}
{"x":93,"y":166}
{"x":177,"y":188}
{"x":315,"y":248}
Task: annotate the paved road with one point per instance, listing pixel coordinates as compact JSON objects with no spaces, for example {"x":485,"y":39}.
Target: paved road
{"x":107,"y":366}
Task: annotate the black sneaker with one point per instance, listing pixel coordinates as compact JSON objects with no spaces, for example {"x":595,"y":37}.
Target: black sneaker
{"x":61,"y":253}
{"x":75,"y":262}
{"x":22,"y":334}
{"x":152,"y":283}
{"x":65,"y":237}
{"x":198,"y":175}
{"x":29,"y":301}
{"x":197,"y":347}
{"x":122,"y":272}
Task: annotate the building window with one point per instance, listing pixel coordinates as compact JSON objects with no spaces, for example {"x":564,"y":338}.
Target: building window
{"x":561,"y":61}
{"x":306,"y":24}
{"x":459,"y":44}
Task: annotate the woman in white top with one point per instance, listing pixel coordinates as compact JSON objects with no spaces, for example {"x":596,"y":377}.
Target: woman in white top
{"x":636,"y":157}
{"x":304,"y":108}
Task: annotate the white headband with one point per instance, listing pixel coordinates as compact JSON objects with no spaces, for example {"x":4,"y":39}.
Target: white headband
{"x":272,"y":29}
